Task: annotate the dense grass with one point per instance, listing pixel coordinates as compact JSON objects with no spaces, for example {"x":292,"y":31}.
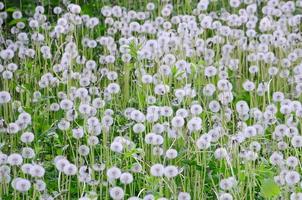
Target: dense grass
{"x":92,"y":99}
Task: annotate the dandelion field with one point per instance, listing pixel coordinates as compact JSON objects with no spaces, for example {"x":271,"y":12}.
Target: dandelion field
{"x":178,"y":100}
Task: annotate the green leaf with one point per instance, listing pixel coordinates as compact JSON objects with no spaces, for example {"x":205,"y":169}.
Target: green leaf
{"x":264,"y":171}
{"x":201,"y":62}
{"x":245,"y":96}
{"x":174,"y":70}
{"x":131,"y":153}
{"x":192,"y":163}
{"x":179,"y":74}
{"x":15,"y":21}
{"x":269,"y":188}
{"x":11,"y":9}
{"x":134,"y":48}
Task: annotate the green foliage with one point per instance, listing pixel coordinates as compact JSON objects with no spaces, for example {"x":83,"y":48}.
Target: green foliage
{"x":192,"y":163}
{"x":269,"y":188}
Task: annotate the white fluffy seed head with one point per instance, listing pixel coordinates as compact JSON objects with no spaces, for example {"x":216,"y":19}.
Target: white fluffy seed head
{"x":171,"y":171}
{"x":14,"y":159}
{"x":116,"y":147}
{"x":183,"y":196}
{"x":171,"y":153}
{"x":27,"y":137}
{"x":113,"y":173}
{"x":126,"y":178}
{"x":157,"y":170}
{"x":4,"y":97}
{"x":70,"y":169}
{"x":117,"y":193}
{"x":225,"y":196}
{"x":292,"y":177}
{"x":22,"y":185}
